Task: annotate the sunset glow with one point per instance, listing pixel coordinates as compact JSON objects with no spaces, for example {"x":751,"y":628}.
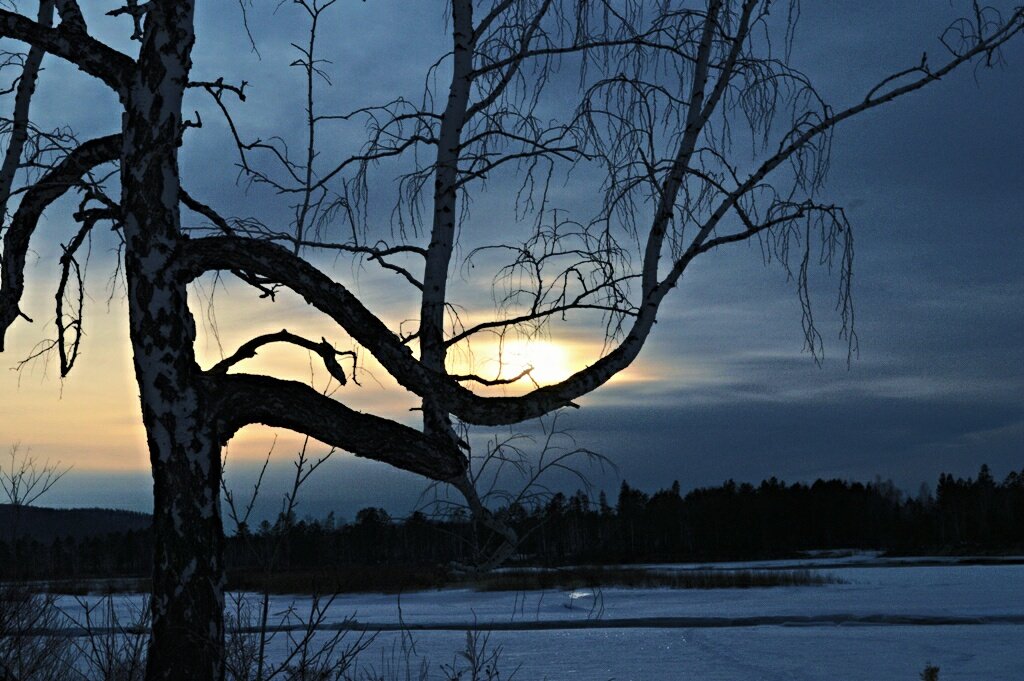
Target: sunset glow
{"x":722,"y":367}
{"x":549,"y":362}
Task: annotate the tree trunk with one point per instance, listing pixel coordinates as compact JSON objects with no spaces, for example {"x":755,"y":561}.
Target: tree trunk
{"x":188,"y":578}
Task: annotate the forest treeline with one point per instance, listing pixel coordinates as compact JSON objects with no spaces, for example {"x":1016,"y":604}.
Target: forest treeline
{"x":729,"y":522}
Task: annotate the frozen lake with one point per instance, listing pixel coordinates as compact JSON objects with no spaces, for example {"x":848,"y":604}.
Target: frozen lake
{"x":966,"y":619}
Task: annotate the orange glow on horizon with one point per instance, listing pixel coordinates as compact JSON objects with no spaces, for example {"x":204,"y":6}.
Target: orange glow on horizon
{"x":92,"y":421}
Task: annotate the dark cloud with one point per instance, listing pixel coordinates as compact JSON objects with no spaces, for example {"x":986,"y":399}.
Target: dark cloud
{"x":853,"y":437}
{"x":910,"y":440}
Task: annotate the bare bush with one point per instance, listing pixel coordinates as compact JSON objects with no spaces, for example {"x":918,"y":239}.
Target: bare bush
{"x":111,"y":646}
{"x":28,"y":649}
{"x":477,"y":661}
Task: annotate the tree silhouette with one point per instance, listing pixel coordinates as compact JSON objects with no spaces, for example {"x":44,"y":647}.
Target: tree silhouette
{"x":659,"y":92}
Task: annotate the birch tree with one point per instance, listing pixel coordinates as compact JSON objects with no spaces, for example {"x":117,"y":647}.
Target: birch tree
{"x":660,"y":91}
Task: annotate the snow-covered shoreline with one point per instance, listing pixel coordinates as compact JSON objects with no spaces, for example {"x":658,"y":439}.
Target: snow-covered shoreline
{"x":882,"y":622}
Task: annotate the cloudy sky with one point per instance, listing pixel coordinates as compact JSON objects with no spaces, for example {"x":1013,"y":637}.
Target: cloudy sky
{"x":934,"y":185}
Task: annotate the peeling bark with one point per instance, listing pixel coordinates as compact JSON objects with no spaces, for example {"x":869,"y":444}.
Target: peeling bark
{"x":188,"y":577}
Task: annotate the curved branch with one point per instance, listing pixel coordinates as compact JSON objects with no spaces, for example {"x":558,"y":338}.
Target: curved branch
{"x":38,"y":198}
{"x":69,"y":265}
{"x":278,"y":264}
{"x":323,"y":348}
{"x":243,"y":399}
{"x":800,"y":136}
{"x":70,"y":42}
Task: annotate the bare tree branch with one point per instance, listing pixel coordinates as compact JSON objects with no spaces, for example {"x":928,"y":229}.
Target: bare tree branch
{"x":323,"y":348}
{"x":243,"y":399}
{"x":63,"y":176}
{"x":22,"y":102}
{"x":25,"y":479}
{"x":69,"y":42}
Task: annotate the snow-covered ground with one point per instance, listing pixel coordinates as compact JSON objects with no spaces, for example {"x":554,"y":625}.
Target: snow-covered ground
{"x":891,"y":653}
{"x":837,"y":645}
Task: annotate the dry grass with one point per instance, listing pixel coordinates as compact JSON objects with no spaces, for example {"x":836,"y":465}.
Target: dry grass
{"x":399,"y":579}
{"x":385,"y":579}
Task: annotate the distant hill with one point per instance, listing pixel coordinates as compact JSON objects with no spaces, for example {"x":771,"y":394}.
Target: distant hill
{"x":46,"y":524}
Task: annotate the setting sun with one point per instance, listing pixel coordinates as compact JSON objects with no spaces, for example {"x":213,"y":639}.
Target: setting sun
{"x":549,"y":361}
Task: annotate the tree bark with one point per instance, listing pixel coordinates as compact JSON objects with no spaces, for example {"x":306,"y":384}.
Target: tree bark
{"x":188,"y":580}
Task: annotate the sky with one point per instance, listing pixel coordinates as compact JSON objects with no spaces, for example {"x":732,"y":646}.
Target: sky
{"x":933,"y":185}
